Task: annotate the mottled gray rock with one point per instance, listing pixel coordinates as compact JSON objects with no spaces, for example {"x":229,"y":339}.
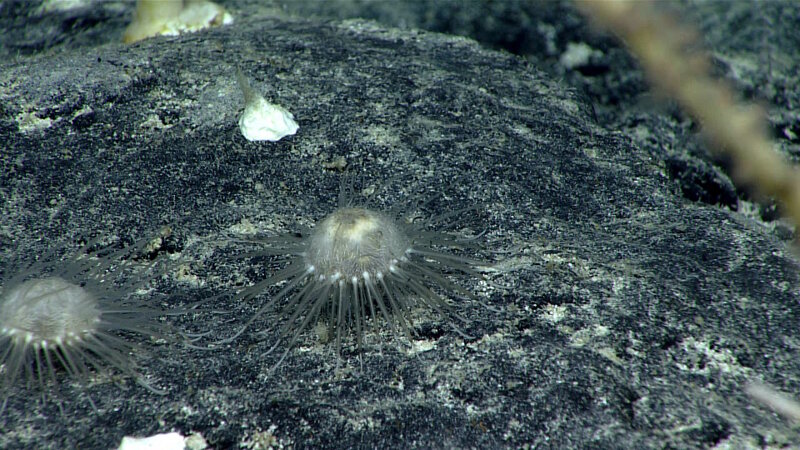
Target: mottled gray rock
{"x":630,"y":316}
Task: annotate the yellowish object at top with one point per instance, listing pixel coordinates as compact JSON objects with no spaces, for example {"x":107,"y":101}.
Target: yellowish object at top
{"x":173,"y":17}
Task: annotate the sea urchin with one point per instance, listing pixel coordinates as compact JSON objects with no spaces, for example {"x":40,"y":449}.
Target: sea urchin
{"x":358,"y":264}
{"x":67,"y":314}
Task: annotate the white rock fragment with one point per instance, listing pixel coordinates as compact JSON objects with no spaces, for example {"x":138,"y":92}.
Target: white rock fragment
{"x":165,"y":441}
{"x":261,"y":120}
{"x":578,"y":55}
{"x":28,"y":122}
{"x":196,"y":441}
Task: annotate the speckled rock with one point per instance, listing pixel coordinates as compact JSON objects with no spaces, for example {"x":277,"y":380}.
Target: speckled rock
{"x":629,"y":315}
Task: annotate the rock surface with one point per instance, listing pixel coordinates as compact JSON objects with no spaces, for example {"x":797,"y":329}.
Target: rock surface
{"x":631,"y":315}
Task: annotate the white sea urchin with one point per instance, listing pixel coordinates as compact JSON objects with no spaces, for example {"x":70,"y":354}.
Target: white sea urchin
{"x":358,"y":264}
{"x":67,"y":314}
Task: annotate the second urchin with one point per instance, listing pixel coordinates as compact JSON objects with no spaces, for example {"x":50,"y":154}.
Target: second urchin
{"x":71,"y":314}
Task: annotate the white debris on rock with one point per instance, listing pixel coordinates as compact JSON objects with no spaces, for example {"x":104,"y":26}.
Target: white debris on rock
{"x":261,"y":120}
{"x":578,"y":55}
{"x":165,"y":441}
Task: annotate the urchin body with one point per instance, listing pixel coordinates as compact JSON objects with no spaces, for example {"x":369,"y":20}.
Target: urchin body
{"x":351,"y":259}
{"x":48,"y":313}
{"x":356,"y":265}
{"x":355,"y":245}
{"x":66,"y":315}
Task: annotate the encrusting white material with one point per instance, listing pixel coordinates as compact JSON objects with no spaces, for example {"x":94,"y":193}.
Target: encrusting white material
{"x":261,"y":120}
{"x":165,"y":441}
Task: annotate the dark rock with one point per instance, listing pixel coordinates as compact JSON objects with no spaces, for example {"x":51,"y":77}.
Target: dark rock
{"x":630,"y":316}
